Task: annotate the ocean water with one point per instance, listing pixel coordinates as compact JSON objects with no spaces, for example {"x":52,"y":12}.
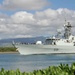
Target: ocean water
{"x":33,"y":62}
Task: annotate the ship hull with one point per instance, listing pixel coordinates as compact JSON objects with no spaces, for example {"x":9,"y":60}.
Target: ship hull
{"x":44,"y":49}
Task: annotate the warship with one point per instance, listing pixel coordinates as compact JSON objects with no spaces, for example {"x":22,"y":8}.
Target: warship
{"x":52,"y":45}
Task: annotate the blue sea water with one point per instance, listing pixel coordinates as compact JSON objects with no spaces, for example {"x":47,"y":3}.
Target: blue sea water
{"x":33,"y":62}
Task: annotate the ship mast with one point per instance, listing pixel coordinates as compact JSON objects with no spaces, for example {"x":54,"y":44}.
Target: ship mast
{"x":67,"y":28}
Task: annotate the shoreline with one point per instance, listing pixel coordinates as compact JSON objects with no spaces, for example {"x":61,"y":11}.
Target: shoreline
{"x":9,"y":52}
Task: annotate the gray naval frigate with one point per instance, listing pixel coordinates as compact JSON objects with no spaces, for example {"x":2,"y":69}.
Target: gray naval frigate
{"x":51,"y":45}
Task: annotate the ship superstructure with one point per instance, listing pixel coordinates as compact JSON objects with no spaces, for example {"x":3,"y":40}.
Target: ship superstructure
{"x":67,"y":28}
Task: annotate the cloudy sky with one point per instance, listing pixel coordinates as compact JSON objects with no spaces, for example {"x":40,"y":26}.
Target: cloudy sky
{"x":30,"y":18}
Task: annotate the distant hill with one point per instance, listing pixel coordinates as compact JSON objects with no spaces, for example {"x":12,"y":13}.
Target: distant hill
{"x":22,"y":40}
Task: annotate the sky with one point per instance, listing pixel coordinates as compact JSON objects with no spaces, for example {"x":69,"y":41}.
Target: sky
{"x":31,"y":18}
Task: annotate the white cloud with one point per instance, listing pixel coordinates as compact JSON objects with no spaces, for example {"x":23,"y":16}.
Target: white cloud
{"x":22,"y":17}
{"x":24,"y":24}
{"x":23,"y":4}
{"x":23,"y":36}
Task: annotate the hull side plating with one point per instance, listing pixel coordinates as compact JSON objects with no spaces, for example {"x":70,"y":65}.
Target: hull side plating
{"x":44,"y":49}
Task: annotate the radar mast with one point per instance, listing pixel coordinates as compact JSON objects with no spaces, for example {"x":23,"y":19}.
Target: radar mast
{"x":67,"y":28}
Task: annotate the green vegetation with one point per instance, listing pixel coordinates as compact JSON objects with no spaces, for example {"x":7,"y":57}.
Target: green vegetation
{"x":7,"y":49}
{"x":62,"y":69}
